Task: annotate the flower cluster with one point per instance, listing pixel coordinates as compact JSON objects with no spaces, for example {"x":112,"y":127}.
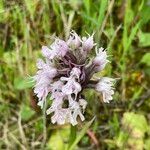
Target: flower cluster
{"x":65,"y":72}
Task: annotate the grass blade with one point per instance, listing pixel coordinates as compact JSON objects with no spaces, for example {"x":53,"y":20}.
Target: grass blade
{"x":82,"y":133}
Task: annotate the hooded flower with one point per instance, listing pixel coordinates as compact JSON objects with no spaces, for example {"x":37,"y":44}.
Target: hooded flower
{"x":48,"y":53}
{"x":100,"y":60}
{"x":88,"y":43}
{"x":65,"y":72}
{"x":60,"y":116}
{"x":56,"y":90}
{"x":76,"y":111}
{"x":58,"y":49}
{"x":74,"y":40}
{"x":72,"y":86}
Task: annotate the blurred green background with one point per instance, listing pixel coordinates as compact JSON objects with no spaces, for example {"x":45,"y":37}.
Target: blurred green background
{"x":120,"y":26}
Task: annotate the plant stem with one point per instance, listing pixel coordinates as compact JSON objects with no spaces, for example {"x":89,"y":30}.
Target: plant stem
{"x":72,"y":137}
{"x":44,"y":126}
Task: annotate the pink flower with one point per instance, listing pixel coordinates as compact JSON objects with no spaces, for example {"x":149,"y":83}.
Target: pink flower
{"x":71,"y":87}
{"x":56,"y":104}
{"x":61,"y":47}
{"x":58,"y":49}
{"x":43,"y":80}
{"x":48,"y":53}
{"x":65,"y":72}
{"x":88,"y":43}
{"x":76,"y":111}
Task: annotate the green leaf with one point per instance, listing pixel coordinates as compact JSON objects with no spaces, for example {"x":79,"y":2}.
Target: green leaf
{"x":102,"y":10}
{"x":73,"y":133}
{"x":21,"y":83}
{"x":132,"y":34}
{"x":26,"y":112}
{"x":135,"y":124}
{"x":58,"y":139}
{"x":81,"y":134}
{"x":146,"y":59}
{"x":31,"y":6}
{"x":122,"y":138}
{"x":144,"y":13}
{"x":87,"y":6}
{"x":132,"y":134}
{"x":144,"y":39}
{"x":10,"y":57}
{"x":147,"y":144}
{"x":2,"y":10}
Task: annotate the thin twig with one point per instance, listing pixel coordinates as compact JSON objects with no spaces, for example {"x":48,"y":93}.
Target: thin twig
{"x":22,"y":134}
{"x":93,"y":137}
{"x":17,"y":141}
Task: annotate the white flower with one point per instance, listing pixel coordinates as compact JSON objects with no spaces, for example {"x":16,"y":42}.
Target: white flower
{"x":56,"y":104}
{"x":41,"y":103}
{"x":100,"y":60}
{"x":76,"y":111}
{"x":105,"y":86}
{"x":60,"y":116}
{"x":71,"y":87}
{"x":83,"y":103}
{"x":56,"y":90}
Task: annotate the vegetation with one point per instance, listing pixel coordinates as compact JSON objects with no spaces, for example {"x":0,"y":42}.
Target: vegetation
{"x":120,"y":26}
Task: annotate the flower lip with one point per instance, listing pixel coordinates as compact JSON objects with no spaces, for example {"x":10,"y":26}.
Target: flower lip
{"x":105,"y":86}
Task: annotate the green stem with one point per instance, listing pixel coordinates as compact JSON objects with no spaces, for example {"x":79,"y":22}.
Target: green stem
{"x":44,"y":126}
{"x":73,"y":134}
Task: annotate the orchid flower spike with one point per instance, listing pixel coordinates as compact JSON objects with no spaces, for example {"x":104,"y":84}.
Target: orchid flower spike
{"x":65,"y":72}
